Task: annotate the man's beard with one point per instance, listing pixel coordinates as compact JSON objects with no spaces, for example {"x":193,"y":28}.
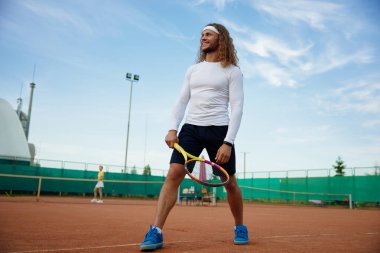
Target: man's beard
{"x":210,"y":49}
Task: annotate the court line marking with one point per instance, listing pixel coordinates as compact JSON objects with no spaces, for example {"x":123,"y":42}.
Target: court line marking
{"x":285,"y":236}
{"x":89,"y":248}
{"x":173,"y":242}
{"x":297,"y":236}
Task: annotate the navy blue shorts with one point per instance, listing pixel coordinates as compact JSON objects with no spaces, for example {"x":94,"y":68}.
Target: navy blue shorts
{"x":194,"y":139}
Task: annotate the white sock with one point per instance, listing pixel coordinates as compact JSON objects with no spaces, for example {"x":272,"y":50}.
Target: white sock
{"x":158,"y":229}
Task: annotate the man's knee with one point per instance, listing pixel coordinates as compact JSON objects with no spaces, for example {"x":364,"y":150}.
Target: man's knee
{"x":176,"y":173}
{"x":232,"y":186}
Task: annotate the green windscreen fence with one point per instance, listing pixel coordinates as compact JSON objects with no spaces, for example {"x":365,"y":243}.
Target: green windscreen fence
{"x":335,"y":188}
{"x":76,"y":182}
{"x":53,"y":181}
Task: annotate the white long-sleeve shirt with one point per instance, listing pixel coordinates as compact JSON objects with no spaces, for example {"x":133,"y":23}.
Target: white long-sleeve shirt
{"x":209,"y":89}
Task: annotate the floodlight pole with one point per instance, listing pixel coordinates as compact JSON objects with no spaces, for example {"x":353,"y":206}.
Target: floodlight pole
{"x":132,"y":80}
{"x":32,"y":86}
{"x":245,"y":154}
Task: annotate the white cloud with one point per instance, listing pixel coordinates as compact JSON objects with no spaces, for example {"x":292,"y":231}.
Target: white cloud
{"x":286,"y":65}
{"x":59,"y":15}
{"x":274,"y":75}
{"x":270,"y":58}
{"x":219,"y":4}
{"x":281,"y":130}
{"x":232,"y":26}
{"x":362,"y":97}
{"x":304,"y":59}
{"x":317,"y":14}
{"x":266,"y":46}
{"x":372,"y":124}
{"x":332,"y":59}
{"x":331,"y":47}
{"x":302,"y":135}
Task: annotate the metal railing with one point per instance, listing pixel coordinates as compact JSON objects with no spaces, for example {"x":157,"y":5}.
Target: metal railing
{"x":353,"y":171}
{"x":74,"y":165}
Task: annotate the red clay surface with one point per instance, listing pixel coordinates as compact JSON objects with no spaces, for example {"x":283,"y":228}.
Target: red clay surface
{"x":75,"y":225}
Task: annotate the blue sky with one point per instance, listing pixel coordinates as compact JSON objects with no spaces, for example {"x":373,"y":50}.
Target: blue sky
{"x":311,"y":68}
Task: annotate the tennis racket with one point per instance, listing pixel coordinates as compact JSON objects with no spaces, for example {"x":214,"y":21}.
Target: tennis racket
{"x":203,"y":171}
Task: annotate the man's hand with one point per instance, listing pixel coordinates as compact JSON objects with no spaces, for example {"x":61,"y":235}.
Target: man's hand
{"x":171,"y":138}
{"x":223,"y":155}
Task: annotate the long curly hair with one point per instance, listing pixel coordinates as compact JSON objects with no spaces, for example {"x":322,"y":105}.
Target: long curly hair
{"x":226,"y":53}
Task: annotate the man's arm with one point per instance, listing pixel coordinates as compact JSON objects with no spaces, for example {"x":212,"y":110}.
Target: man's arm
{"x":171,"y":138}
{"x":236,"y":94}
{"x":236,"y":102}
{"x":178,"y":111}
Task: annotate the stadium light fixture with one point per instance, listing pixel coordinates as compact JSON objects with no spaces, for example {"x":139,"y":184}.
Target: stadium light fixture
{"x":133,"y":79}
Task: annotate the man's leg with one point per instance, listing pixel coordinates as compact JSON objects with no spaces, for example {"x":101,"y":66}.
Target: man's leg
{"x":235,"y":200}
{"x":154,"y":239}
{"x":169,"y":193}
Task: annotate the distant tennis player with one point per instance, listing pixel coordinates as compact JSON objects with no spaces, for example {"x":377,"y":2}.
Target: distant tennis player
{"x":211,"y":85}
{"x":99,"y":187}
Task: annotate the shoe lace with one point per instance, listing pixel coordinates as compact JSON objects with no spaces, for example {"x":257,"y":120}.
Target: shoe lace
{"x":152,"y":233}
{"x":241,"y":232}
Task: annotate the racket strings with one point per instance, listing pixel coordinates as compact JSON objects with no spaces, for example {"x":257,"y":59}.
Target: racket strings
{"x":206,"y":172}
{"x":219,"y":174}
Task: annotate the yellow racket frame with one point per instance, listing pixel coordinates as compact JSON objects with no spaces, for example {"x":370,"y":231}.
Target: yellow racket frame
{"x":187,"y":155}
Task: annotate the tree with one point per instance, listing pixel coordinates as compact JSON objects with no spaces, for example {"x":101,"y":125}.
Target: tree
{"x":147,"y":170}
{"x":339,"y":167}
{"x":376,"y":171}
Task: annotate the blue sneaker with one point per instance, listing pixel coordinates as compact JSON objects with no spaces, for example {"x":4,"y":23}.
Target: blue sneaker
{"x":153,"y":240}
{"x":241,"y":235}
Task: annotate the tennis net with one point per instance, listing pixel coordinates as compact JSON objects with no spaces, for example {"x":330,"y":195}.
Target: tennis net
{"x":42,"y":185}
{"x":293,"y":197}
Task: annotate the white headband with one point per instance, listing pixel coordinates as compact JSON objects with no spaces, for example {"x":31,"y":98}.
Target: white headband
{"x":212,"y":28}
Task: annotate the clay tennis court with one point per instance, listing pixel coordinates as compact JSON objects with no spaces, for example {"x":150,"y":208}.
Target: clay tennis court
{"x":63,"y":224}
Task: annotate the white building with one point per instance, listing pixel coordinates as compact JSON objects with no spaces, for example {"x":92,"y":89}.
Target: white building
{"x":13,"y":143}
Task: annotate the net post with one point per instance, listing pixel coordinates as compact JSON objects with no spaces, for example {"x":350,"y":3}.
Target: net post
{"x":294,"y":198}
{"x":39,"y":188}
{"x":214,"y":196}
{"x":179,"y":195}
{"x":350,"y":200}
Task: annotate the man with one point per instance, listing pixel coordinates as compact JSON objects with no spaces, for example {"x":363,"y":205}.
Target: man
{"x":209,"y":86}
{"x":99,"y":187}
